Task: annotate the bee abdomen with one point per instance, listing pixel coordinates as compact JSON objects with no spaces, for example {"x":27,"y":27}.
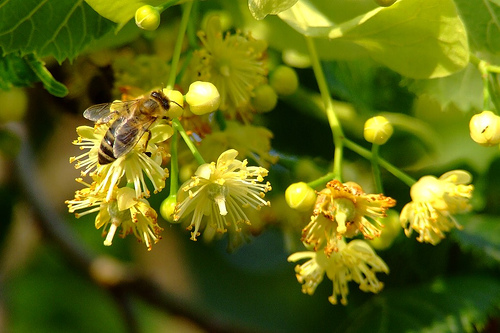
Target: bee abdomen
{"x":105,"y":153}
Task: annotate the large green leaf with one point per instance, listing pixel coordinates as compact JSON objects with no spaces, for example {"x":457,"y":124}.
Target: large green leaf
{"x":482,"y":19}
{"x":17,"y":71}
{"x":60,"y":28}
{"x":459,"y":304}
{"x":481,"y":235}
{"x":463,"y":89}
{"x":417,"y":38}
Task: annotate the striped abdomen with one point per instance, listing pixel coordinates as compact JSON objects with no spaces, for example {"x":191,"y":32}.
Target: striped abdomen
{"x":105,"y":153}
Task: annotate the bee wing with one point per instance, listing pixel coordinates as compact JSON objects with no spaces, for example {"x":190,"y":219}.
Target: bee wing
{"x":102,"y":113}
{"x":128,"y":134}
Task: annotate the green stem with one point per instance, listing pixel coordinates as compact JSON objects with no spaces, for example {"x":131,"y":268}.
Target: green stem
{"x":327,"y":101}
{"x":177,"y":125}
{"x":174,"y":163}
{"x":166,"y":5}
{"x":320,"y":181}
{"x":376,"y":168}
{"x":178,"y":44}
{"x":219,"y":117}
{"x":192,"y":26}
{"x":386,"y":165}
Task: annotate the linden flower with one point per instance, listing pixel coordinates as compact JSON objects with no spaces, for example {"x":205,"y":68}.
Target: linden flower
{"x":235,"y":64}
{"x":355,"y":261}
{"x":251,"y":141}
{"x":344,"y":210}
{"x":133,"y":165}
{"x":219,"y":191}
{"x":135,"y":216}
{"x":434,"y":202}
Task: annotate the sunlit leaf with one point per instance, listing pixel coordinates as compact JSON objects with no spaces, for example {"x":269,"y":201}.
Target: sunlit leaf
{"x":482,"y":19}
{"x":416,"y":38}
{"x":61,"y":28}
{"x":463,"y":89}
{"x":20,"y":71}
{"x":122,"y":11}
{"x":262,"y":8}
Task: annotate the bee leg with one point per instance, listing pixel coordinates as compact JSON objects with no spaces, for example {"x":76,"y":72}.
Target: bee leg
{"x":146,"y":141}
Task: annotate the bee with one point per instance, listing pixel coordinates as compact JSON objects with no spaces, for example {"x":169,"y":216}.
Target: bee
{"x":129,"y":121}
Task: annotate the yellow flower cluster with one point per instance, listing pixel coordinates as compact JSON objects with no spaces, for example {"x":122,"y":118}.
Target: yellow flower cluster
{"x":219,"y":191}
{"x":343,"y":210}
{"x":119,"y":189}
{"x":435,"y":201}
{"x":235,"y":63}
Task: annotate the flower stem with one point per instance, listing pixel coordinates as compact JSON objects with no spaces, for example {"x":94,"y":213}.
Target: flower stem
{"x":327,"y":101}
{"x":386,"y":165}
{"x":178,"y":44}
{"x":376,"y":168}
{"x":177,"y":126}
{"x":174,"y":163}
{"x":320,"y":181}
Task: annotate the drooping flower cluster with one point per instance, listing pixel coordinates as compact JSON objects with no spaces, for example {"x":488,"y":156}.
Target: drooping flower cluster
{"x":355,"y":261}
{"x":343,"y":210}
{"x":219,"y":191}
{"x":119,"y":189}
{"x":435,"y":201}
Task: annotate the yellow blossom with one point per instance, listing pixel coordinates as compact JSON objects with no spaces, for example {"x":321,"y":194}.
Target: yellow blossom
{"x":355,"y":261}
{"x":343,"y":210}
{"x":134,"y":165}
{"x":235,"y":64}
{"x":220,"y":191}
{"x":134,"y":216}
{"x":434,"y":201}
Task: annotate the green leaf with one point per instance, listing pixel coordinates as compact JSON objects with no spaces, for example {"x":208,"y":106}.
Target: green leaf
{"x":462,"y":89}
{"x":482,"y":19}
{"x":122,"y":11}
{"x":458,"y":304}
{"x":262,"y":8}
{"x":60,"y":28}
{"x":481,"y":235}
{"x":416,"y":38}
{"x":23,"y":71}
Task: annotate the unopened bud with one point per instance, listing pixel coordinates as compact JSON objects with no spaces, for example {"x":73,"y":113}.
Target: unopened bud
{"x":167,"y":208}
{"x":203,"y":98}
{"x":284,"y":80}
{"x":300,"y":196}
{"x":378,"y":130}
{"x":265,"y":98}
{"x":485,"y":128}
{"x":147,"y":17}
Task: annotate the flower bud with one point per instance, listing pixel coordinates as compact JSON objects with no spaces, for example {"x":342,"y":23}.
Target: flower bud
{"x":167,"y":208}
{"x":14,"y":104}
{"x":392,"y":228}
{"x":265,"y":98}
{"x":378,"y":130}
{"x":147,"y":17}
{"x":385,"y":3}
{"x":485,"y":128}
{"x":203,"y":98}
{"x":300,"y":196}
{"x":284,"y":80}
{"x":177,"y":101}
